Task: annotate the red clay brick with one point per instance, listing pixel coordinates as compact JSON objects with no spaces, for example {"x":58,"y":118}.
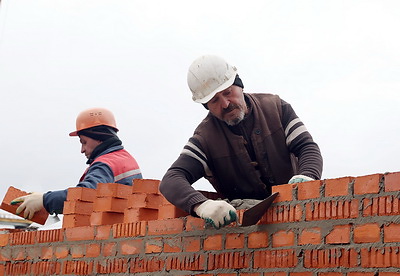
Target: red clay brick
{"x":110,"y":204}
{"x":234,"y":241}
{"x":360,"y":274}
{"x":113,"y":190}
{"x":392,"y":182}
{"x":103,"y":232}
{"x":93,"y":250}
{"x":81,"y":193}
{"x":368,"y":184}
{"x":283,"y":238}
{"x":143,"y":200}
{"x":340,"y":234}
{"x":132,"y":229}
{"x":213,"y":242}
{"x":300,"y":274}
{"x":139,"y":214}
{"x":129,"y":247}
{"x":310,"y":236}
{"x":165,"y":227}
{"x":55,"y":235}
{"x":79,"y":233}
{"x":391,"y":233}
{"x":47,"y":252}
{"x":12,"y":193}
{"x":367,"y":233}
{"x":191,"y":244}
{"x":257,"y":240}
{"x":285,"y":192}
{"x":308,"y":190}
{"x":106,"y":218}
{"x":77,"y":268}
{"x":173,"y":245}
{"x":148,"y":186}
{"x":109,"y":249}
{"x":193,"y":223}
{"x":154,"y":245}
{"x":231,"y":260}
{"x":61,"y":252}
{"x":23,"y":238}
{"x":4,"y":239}
{"x":77,"y":207}
{"x":78,"y":251}
{"x":75,"y":220}
{"x":338,"y":186}
{"x":170,"y":211}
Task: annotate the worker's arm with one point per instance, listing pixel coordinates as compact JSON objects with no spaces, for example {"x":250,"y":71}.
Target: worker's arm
{"x":98,"y":173}
{"x":302,"y":145}
{"x":176,"y":185}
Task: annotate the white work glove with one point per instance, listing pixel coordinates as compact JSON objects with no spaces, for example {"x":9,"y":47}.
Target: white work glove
{"x":299,"y":178}
{"x":218,"y":213}
{"x":31,"y":203}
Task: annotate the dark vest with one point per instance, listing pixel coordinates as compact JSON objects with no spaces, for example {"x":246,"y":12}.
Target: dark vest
{"x":234,"y":175}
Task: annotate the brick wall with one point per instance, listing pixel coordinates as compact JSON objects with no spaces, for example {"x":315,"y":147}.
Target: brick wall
{"x":345,"y":226}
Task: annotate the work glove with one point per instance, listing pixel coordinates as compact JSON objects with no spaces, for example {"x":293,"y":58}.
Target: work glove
{"x":218,"y":213}
{"x":299,"y":178}
{"x":30,"y":203}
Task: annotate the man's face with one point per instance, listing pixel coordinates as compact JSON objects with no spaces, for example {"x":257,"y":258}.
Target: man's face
{"x":229,"y":105}
{"x":88,"y":145}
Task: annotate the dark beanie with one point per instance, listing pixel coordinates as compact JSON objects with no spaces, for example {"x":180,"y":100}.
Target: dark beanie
{"x":237,"y":82}
{"x":99,"y":133}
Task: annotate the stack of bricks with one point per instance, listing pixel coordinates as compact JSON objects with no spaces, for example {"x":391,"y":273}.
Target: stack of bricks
{"x":78,"y":207}
{"x":346,"y":226}
{"x":144,"y":202}
{"x":112,"y":203}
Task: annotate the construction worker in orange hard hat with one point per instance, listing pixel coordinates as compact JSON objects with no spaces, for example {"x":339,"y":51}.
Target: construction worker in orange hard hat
{"x":108,"y":162}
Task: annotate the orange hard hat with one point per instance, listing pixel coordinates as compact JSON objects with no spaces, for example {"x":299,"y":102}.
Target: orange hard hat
{"x":92,"y":117}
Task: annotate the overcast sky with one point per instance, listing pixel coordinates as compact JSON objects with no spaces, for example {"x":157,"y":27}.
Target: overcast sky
{"x":337,"y":63}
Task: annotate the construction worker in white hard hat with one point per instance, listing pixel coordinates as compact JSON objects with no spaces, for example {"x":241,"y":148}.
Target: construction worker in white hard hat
{"x":246,"y":144}
{"x":108,"y":162}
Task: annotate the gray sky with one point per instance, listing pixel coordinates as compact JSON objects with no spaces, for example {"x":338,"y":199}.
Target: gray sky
{"x":336,"y":62}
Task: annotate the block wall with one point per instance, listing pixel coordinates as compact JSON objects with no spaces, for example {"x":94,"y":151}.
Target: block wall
{"x":346,"y":226}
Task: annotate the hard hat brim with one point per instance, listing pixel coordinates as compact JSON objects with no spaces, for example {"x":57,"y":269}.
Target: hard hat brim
{"x":224,"y":86}
{"x":74,"y":133}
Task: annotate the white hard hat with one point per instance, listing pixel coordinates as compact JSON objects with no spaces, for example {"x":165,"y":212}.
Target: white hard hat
{"x":209,"y":75}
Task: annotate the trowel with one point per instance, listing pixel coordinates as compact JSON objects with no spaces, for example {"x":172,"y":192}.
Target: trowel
{"x":253,"y":215}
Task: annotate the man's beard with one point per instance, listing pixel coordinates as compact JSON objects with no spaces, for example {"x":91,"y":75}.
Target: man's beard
{"x":239,"y":117}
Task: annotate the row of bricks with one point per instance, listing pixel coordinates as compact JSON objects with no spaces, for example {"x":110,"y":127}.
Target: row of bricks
{"x":300,"y":234}
{"x":344,"y":186}
{"x":114,"y":203}
{"x":335,"y":258}
{"x":122,"y":267}
{"x":80,"y":212}
{"x":142,"y":244}
{"x":332,"y":209}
